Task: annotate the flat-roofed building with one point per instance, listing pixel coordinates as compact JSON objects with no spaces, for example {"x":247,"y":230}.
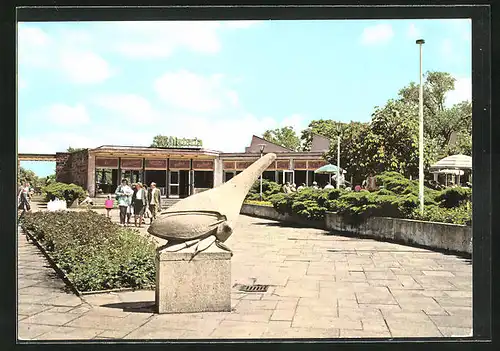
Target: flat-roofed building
{"x":182,"y":171}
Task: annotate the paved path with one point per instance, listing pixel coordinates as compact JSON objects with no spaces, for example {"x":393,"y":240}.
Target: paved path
{"x":321,"y":286}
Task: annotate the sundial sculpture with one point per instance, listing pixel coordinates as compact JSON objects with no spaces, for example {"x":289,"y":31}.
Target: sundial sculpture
{"x":208,"y":217}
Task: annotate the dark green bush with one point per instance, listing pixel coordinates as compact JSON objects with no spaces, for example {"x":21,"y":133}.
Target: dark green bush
{"x":454,"y":197}
{"x":457,"y":215}
{"x":95,"y":253}
{"x":269,"y":189}
{"x":69,"y":192}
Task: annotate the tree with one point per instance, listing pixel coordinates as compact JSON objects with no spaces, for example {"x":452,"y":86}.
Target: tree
{"x":441,"y":123}
{"x":285,"y":137}
{"x":326,"y":127}
{"x":27,"y":175}
{"x":74,"y":149}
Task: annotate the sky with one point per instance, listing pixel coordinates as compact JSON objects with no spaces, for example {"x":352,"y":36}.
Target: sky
{"x":87,"y":84}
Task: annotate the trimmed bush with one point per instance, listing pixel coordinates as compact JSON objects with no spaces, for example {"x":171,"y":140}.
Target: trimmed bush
{"x":454,"y":197}
{"x":95,"y":253}
{"x":457,"y":215}
{"x":397,"y":199}
{"x":68,"y":192}
{"x":269,"y":189}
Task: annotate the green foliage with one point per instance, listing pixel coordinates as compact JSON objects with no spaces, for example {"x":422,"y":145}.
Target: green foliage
{"x":269,"y":189}
{"x":95,"y":253}
{"x":454,"y":197}
{"x":456,"y":215}
{"x":69,"y":192}
{"x":259,"y":203}
{"x":397,"y":199}
{"x":286,"y":137}
{"x":74,"y":149}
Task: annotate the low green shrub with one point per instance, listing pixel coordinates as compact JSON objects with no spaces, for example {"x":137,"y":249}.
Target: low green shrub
{"x":69,"y":192}
{"x":260,"y":203}
{"x":95,"y":253}
{"x":454,"y":197}
{"x":269,"y":188}
{"x":457,"y":215}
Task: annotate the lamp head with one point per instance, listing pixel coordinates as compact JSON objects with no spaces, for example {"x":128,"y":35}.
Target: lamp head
{"x":262,"y":147}
{"x":420,"y":41}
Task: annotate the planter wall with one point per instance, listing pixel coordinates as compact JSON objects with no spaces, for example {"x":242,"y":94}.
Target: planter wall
{"x":270,"y":213}
{"x":451,"y":237}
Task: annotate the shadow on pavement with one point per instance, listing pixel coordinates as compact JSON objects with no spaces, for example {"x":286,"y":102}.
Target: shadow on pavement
{"x":138,"y":306}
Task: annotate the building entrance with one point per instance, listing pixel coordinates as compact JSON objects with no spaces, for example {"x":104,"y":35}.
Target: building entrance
{"x":184,"y":184}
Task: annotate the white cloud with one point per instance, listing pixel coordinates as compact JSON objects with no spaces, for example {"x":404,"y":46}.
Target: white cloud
{"x":69,"y":52}
{"x":462,"y":92}
{"x":192,"y":92}
{"x":414,"y":32}
{"x":161,"y":39}
{"x":33,"y":46}
{"x":84,"y":67}
{"x":377,"y":34}
{"x":129,"y":108}
{"x":65,"y":115}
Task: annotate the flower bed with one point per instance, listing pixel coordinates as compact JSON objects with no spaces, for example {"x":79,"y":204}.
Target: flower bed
{"x":94,"y":253}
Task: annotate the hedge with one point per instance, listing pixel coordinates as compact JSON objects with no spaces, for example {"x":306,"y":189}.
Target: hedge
{"x":397,"y":197}
{"x":94,"y":253}
{"x":69,"y":192}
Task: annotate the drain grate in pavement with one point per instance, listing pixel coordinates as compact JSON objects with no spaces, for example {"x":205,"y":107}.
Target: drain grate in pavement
{"x":253,"y":288}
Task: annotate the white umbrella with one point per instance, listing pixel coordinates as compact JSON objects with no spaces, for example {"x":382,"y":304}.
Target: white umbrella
{"x":454,"y":162}
{"x":449,"y":171}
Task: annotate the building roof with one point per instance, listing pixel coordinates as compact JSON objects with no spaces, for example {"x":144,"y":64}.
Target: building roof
{"x":150,"y":148}
{"x":269,"y":146}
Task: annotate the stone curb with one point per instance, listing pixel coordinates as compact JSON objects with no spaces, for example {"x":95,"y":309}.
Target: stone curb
{"x":60,"y":272}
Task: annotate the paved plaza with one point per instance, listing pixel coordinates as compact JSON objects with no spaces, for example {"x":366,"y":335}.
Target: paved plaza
{"x":320,"y":286}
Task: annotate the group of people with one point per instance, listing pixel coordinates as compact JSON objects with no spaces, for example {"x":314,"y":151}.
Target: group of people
{"x":24,"y":195}
{"x":368,"y":184}
{"x":137,"y":200}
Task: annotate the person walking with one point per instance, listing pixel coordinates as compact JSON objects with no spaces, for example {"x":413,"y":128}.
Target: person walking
{"x":154,"y":197}
{"x":123,"y":195}
{"x":108,"y":204}
{"x":139,"y":201}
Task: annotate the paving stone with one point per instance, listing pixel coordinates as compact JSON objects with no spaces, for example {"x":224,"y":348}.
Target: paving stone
{"x":29,"y":331}
{"x":455,"y":332}
{"x":365,"y":283}
{"x":31,"y":309}
{"x":301,"y":333}
{"x":452,"y":321}
{"x":356,"y":333}
{"x":239,"y":329}
{"x":69,"y":333}
{"x":250,"y":316}
{"x":51,"y":318}
{"x":254,"y":305}
{"x":308,"y":320}
{"x":282,"y":315}
{"x":90,"y":320}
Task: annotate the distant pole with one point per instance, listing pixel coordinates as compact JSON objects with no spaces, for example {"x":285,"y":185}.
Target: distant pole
{"x":262,"y":146}
{"x":338,"y":162}
{"x":420,"y":42}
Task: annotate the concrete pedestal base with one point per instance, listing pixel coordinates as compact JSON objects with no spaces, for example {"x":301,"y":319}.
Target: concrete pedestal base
{"x":200,"y":285}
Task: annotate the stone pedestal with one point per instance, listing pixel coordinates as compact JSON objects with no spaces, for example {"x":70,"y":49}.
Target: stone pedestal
{"x":200,"y":285}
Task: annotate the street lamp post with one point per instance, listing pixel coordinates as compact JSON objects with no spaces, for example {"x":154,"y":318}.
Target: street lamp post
{"x":262,"y":146}
{"x":420,"y":42}
{"x":338,"y":162}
